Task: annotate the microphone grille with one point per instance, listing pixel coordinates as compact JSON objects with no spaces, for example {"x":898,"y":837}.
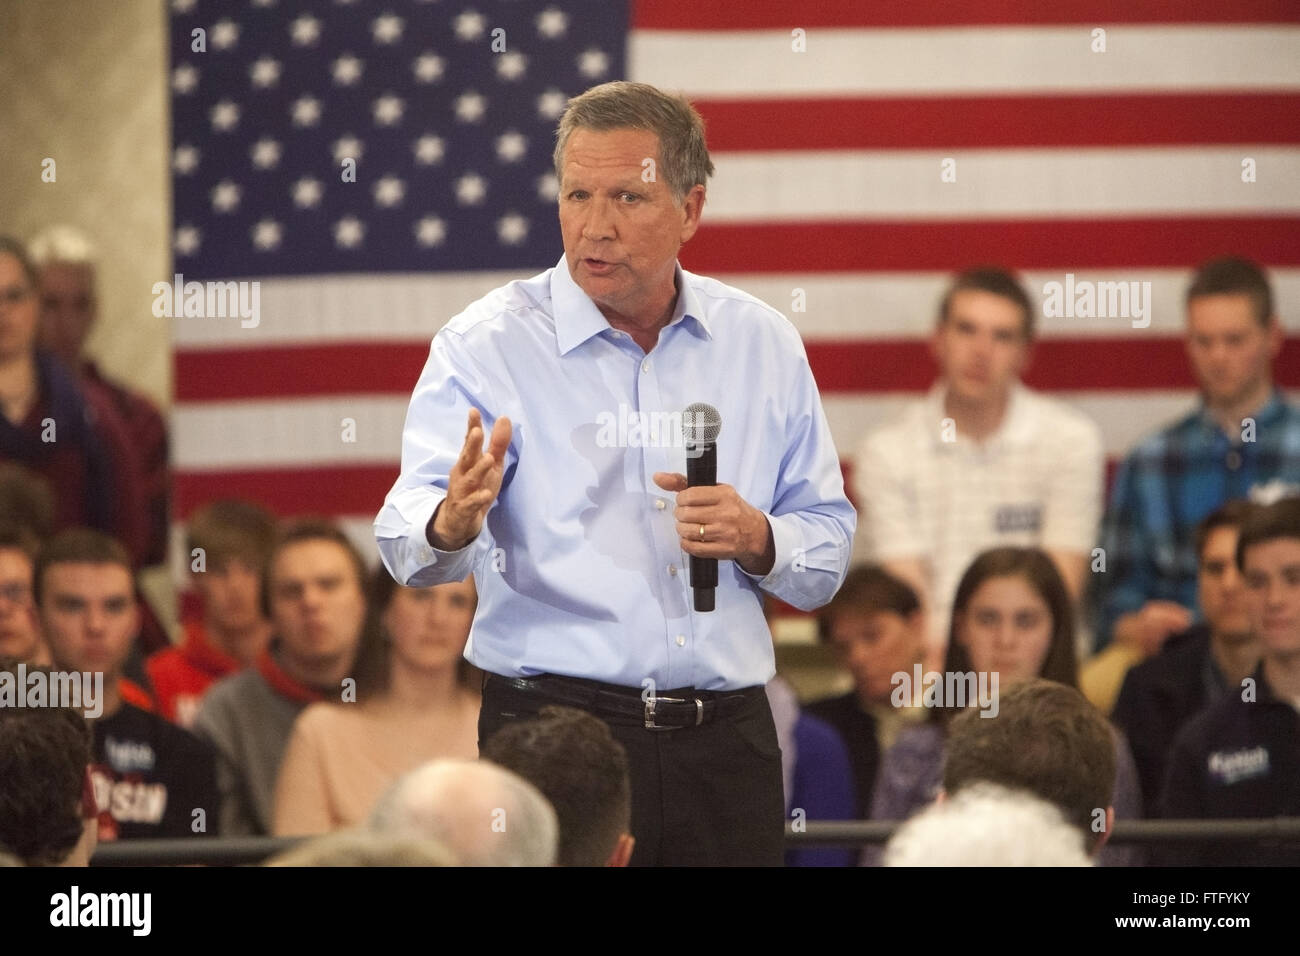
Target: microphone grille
{"x":701,"y":423}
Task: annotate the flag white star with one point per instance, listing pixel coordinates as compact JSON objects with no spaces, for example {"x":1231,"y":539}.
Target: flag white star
{"x":552,"y":23}
{"x":430,"y":231}
{"x":428,"y":67}
{"x":224,"y":35}
{"x":186,"y":159}
{"x":187,"y":240}
{"x":306,"y":111}
{"x":224,"y":116}
{"x":225,"y":196}
{"x":265,"y":72}
{"x":387,"y":110}
{"x":184,"y":78}
{"x":263,"y":3}
{"x":548,"y":187}
{"x":348,"y":232}
{"x":348,"y":147}
{"x":389,"y":192}
{"x":593,"y":64}
{"x":511,"y":65}
{"x":347,"y":69}
{"x":470,"y":189}
{"x":305,"y":30}
{"x":267,"y":234}
{"x":387,"y":29}
{"x":551,"y":104}
{"x":469,"y":25}
{"x":307,"y":192}
{"x":512,"y":229}
{"x":265,"y":153}
{"x":429,"y":149}
{"x":182,"y":6}
{"x":470,"y":106}
{"x":511,"y":146}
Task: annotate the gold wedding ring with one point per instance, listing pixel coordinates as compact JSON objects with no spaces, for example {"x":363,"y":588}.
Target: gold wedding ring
{"x":701,"y":532}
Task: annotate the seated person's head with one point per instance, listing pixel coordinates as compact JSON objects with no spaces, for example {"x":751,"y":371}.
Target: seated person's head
{"x":20,"y":292}
{"x":66,"y":259}
{"x":484,"y":814}
{"x":85,"y":593}
{"x":426,"y":627}
{"x":573,"y":759}
{"x":26,"y":500}
{"x":1220,"y":589}
{"x":363,"y":848}
{"x":1233,"y":334}
{"x":875,"y":626}
{"x":20,"y":630}
{"x":1012,"y":616}
{"x":987,"y":825}
{"x":47,"y":812}
{"x":986,"y":327}
{"x":1268,"y":554}
{"x":228,"y":544}
{"x":314,"y":592}
{"x":1046,"y":739}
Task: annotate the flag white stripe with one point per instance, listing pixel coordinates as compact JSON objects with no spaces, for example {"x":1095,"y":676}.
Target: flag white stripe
{"x":296,"y":433}
{"x":748,"y":64}
{"x":996,"y":183}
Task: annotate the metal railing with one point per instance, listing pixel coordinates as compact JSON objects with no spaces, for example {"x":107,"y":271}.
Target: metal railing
{"x":241,"y":851}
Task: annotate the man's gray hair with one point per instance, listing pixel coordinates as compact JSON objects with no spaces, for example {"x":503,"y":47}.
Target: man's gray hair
{"x":987,"y":825}
{"x":63,"y":244}
{"x":683,"y":160}
{"x":482,"y":813}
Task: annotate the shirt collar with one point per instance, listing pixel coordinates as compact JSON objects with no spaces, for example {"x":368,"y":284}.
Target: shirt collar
{"x":1017,"y":421}
{"x":1268,"y":413}
{"x":577,"y":318}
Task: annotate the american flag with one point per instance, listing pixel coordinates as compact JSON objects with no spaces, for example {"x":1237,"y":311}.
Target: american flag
{"x":864,"y":152}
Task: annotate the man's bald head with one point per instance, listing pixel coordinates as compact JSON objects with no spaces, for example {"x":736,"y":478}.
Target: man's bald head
{"x":484,"y":814}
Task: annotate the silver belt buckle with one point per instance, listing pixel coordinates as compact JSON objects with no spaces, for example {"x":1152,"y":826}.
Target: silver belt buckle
{"x":650,"y":711}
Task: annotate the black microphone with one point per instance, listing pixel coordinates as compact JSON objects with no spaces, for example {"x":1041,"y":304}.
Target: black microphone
{"x":700,"y":426}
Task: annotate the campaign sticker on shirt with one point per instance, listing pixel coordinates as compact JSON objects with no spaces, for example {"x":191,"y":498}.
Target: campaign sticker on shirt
{"x":1233,"y":766}
{"x":1013,"y":518}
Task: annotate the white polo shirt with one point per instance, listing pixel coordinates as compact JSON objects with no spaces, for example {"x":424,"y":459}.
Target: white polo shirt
{"x":926,"y":491}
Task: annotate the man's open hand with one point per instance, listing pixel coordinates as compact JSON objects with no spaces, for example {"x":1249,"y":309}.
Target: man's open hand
{"x":473,"y":485}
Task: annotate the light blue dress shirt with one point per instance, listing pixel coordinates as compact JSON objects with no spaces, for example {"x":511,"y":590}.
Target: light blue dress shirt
{"x":579,"y":566}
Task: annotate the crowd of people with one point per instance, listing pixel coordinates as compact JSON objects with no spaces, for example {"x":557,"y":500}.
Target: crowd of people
{"x":1023,"y":645}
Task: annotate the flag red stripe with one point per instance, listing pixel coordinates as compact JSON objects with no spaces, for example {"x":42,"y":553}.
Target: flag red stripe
{"x":1135,"y":362}
{"x":944,"y":245}
{"x":293,"y":492}
{"x":781,"y":14}
{"x":332,"y":490}
{"x":983,"y":122}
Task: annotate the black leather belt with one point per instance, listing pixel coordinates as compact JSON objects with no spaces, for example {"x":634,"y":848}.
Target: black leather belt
{"x":672,"y":710}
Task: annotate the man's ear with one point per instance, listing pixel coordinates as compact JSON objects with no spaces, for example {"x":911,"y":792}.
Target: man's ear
{"x":940,"y":797}
{"x":622,"y":851}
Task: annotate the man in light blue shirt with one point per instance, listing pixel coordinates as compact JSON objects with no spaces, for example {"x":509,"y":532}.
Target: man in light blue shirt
{"x":577,"y":522}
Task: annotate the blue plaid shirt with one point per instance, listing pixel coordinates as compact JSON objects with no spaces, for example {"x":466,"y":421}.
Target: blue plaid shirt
{"x":1166,"y":486}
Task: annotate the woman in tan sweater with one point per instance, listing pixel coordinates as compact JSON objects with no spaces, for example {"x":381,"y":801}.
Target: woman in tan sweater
{"x":415,"y":702}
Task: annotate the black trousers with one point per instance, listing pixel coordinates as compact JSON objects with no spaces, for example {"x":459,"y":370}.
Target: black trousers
{"x":701,"y":796}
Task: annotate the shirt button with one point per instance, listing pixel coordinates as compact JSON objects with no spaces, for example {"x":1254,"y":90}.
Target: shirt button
{"x":645,"y":366}
{"x":681,"y":640}
{"x":672,"y":569}
{"x":1234,"y":460}
{"x":659,"y":503}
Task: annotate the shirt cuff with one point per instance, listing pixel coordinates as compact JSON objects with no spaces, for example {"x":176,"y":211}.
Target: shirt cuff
{"x":783,"y":543}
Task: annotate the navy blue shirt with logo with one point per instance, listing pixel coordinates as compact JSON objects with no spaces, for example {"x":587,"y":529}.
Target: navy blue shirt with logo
{"x":1236,"y":759}
{"x":150,"y":777}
